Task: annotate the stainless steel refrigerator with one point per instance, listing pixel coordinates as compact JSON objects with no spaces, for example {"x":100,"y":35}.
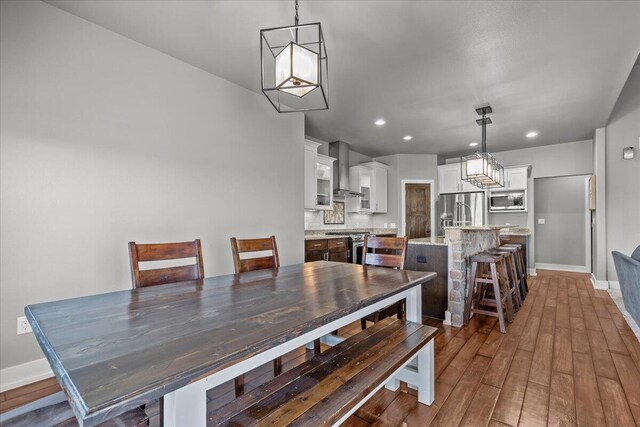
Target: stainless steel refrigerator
{"x":461,"y":209}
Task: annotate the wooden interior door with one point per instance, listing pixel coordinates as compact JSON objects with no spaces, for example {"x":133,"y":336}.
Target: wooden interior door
{"x":417,"y":210}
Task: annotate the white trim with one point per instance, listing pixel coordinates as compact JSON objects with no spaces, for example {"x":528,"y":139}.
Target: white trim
{"x":533,"y":272}
{"x":431,"y":182}
{"x":27,"y":373}
{"x":447,"y":318}
{"x":599,"y":284}
{"x":562,"y":267}
{"x":613,"y":284}
{"x":587,"y":225}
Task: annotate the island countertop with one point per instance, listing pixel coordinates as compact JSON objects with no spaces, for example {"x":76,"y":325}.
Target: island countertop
{"x":435,"y":241}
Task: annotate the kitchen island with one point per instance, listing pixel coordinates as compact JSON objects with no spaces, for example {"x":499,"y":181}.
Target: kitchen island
{"x":449,"y":257}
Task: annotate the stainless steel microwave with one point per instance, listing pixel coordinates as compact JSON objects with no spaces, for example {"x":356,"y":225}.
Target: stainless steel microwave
{"x":508,"y":201}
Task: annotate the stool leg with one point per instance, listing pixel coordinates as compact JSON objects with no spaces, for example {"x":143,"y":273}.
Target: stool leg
{"x":515,"y":280}
{"x":507,"y":290}
{"x":363,"y":324}
{"x":316,"y":347}
{"x":470,"y":292}
{"x":525,"y":286}
{"x":498,"y":296}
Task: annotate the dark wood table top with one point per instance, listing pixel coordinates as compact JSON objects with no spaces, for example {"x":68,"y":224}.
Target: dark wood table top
{"x":112,"y":352}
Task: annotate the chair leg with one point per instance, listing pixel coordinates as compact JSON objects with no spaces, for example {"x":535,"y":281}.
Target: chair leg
{"x":239,"y":383}
{"x":316,"y":347}
{"x":498,"y":297}
{"x":363,"y":324}
{"x":277,"y":366}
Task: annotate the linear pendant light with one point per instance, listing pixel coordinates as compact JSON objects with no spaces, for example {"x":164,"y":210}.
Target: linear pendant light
{"x":294,"y":67}
{"x":481,"y":168}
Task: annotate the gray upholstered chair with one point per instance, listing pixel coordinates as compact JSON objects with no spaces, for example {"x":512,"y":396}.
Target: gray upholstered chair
{"x":628,"y":269}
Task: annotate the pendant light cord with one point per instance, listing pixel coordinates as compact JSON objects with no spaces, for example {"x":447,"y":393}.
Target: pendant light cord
{"x":296,"y":20}
{"x":484,"y":132}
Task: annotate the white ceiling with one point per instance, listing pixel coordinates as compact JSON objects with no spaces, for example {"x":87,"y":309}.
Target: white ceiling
{"x":554,"y":67}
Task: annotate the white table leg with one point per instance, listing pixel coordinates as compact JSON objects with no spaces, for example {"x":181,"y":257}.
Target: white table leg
{"x":426,"y":374}
{"x":186,"y":406}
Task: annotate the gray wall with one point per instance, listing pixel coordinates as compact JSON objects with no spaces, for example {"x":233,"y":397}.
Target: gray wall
{"x":105,"y":141}
{"x":623,"y":176}
{"x":405,"y":166}
{"x":560,"y":201}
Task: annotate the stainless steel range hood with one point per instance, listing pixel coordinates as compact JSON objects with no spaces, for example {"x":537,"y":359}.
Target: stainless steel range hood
{"x":340,"y":150}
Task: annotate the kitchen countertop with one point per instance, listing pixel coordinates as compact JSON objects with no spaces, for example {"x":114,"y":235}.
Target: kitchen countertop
{"x":434,"y":241}
{"x":516,"y":231}
{"x":322,"y":234}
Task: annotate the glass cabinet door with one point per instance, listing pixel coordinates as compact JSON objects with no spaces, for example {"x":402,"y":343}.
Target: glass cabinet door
{"x":365,"y":189}
{"x":323,"y":184}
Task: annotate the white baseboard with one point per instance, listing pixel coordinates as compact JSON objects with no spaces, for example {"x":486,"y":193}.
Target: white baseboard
{"x":562,"y":267}
{"x":447,"y":318}
{"x":532,"y":272}
{"x":599,"y":284}
{"x":614,"y":284}
{"x":27,"y":373}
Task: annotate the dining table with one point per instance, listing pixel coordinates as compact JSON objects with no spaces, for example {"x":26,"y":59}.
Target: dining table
{"x":120,"y":350}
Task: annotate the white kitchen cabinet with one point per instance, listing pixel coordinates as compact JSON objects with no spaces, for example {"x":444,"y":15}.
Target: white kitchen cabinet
{"x":379,"y":188}
{"x":449,"y":180}
{"x":361,"y":181}
{"x":515,"y":178}
{"x":318,"y":178}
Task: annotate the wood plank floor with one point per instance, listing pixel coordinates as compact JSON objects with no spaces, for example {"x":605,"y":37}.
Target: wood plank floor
{"x":569,"y":358}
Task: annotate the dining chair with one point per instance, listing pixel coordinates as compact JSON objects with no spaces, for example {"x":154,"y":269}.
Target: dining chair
{"x":243,"y":265}
{"x":164,"y":252}
{"x":254,"y":245}
{"x":390,"y":252}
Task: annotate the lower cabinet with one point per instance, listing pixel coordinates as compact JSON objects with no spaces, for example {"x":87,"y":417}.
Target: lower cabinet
{"x":327,"y":250}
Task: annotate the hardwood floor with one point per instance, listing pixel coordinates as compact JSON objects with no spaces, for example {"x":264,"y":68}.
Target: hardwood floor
{"x":569,"y":358}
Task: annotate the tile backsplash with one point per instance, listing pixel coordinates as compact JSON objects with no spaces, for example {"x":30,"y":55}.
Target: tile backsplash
{"x":313,"y":220}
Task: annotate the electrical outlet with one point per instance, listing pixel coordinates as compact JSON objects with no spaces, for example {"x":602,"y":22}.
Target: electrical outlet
{"x":23,"y":326}
{"x":422,"y":259}
{"x":541,"y":221}
{"x":393,"y":225}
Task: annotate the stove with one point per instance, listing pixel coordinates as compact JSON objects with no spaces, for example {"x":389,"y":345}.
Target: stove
{"x":354,"y":236}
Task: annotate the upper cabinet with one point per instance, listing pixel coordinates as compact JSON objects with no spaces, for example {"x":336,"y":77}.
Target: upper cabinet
{"x":379,"y":176}
{"x":449,"y":180}
{"x":515,"y":178}
{"x":318,"y":178}
{"x":361,"y":181}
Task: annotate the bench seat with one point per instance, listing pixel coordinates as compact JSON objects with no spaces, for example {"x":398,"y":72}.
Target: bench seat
{"x":332,"y":385}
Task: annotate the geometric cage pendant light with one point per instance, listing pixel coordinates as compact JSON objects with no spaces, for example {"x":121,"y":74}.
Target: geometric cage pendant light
{"x":294,"y":67}
{"x":481,"y":168}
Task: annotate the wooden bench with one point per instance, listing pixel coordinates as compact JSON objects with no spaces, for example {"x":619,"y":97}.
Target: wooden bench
{"x":327,"y":389}
{"x":55,"y":411}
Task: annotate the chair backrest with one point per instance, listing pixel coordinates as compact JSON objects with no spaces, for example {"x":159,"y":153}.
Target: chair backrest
{"x":636,"y":254}
{"x":254,"y":245}
{"x":395,"y":244}
{"x":162,"y":252}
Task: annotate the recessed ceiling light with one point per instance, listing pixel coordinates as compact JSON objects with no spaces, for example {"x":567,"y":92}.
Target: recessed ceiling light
{"x":473,"y":144}
{"x":407,"y":137}
{"x":532,"y":134}
{"x":380,"y":122}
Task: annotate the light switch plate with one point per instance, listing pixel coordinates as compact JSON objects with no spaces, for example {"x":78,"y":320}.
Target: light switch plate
{"x":541,"y":221}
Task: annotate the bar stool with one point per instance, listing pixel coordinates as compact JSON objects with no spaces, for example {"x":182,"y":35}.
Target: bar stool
{"x":490,"y":291}
{"x":520,"y":265}
{"x":513,"y":274}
